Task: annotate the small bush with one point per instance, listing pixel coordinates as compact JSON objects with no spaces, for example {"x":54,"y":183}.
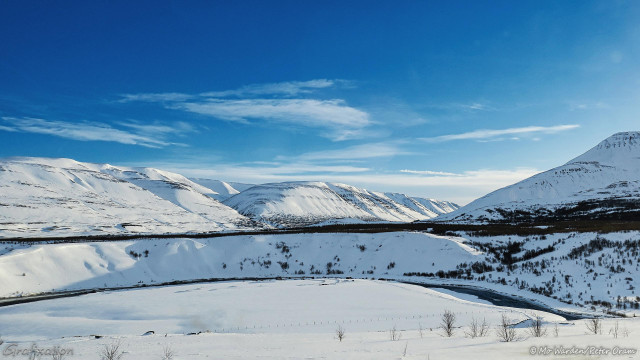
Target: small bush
{"x":505,"y":331}
{"x":394,"y":334}
{"x":536,"y":327}
{"x":167,"y":353}
{"x":340,"y":333}
{"x":477,"y":328}
{"x":112,"y":351}
{"x":447,"y":323}
{"x":594,"y":326}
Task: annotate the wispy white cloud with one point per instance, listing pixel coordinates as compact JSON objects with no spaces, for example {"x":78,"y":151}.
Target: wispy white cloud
{"x":155,"y":97}
{"x":470,"y":106}
{"x":476,"y":106}
{"x":257,"y":172}
{"x":83,"y":131}
{"x":356,"y":152}
{"x":178,"y":127}
{"x":288,"y":88}
{"x":7,"y":128}
{"x":471,"y":177}
{"x":306,"y":111}
{"x":585,"y":105}
{"x":492,"y":134}
{"x":429,"y":172}
{"x":273,"y":103}
{"x":342,"y":121}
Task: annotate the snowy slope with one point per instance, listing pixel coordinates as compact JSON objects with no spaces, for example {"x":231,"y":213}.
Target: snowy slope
{"x":604,"y":181}
{"x":74,"y":266}
{"x":221,"y":190}
{"x":570,"y":271}
{"x":51,"y":197}
{"x":305,"y":203}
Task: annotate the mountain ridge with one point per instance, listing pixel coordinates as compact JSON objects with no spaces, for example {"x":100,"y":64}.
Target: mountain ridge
{"x":603,"y":181}
{"x":57,"y":197}
{"x":302,"y":203}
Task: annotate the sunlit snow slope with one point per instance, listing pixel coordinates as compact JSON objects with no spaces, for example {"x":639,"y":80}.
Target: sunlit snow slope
{"x":222,"y":190}
{"x":51,"y":197}
{"x":305,"y":203}
{"x":603,"y":182}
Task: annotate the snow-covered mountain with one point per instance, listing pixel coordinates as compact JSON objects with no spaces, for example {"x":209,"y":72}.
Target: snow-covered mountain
{"x":64,"y":197}
{"x":306,"y":203}
{"x":222,"y":190}
{"x":50,"y":197}
{"x":604,"y":182}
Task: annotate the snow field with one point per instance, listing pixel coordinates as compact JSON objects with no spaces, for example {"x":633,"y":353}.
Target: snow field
{"x":289,"y":306}
{"x":125,"y":316}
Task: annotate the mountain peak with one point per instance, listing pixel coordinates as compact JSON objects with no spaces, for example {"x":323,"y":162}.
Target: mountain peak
{"x":621,"y":139}
{"x":616,"y":150}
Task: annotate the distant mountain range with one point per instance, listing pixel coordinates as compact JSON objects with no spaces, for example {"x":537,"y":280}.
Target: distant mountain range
{"x":305,"y":203}
{"x":63,"y":197}
{"x":603,"y":183}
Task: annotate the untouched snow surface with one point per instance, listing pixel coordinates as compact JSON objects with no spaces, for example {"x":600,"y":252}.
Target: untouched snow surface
{"x":291,"y":320}
{"x":287,"y":306}
{"x":306,"y":203}
{"x":609,"y":171}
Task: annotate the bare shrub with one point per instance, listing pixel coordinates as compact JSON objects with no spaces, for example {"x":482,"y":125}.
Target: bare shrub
{"x":340,"y":333}
{"x":167,"y":353}
{"x":447,"y":324}
{"x":505,"y":331}
{"x":57,"y":356}
{"x":394,"y":334}
{"x":625,"y":332}
{"x":404,"y":353}
{"x":594,"y":326}
{"x":615,"y":330}
{"x":112,"y":351}
{"x":420,"y":330}
{"x":555,"y":330}
{"x":536,"y":327}
{"x":477,"y":328}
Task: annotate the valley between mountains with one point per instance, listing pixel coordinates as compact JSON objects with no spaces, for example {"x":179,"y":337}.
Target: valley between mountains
{"x":577,"y":271}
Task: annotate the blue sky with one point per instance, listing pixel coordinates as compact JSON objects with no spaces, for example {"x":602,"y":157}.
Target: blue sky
{"x":437,"y":99}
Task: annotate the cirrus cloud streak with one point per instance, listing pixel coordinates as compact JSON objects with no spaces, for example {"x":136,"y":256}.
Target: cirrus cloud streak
{"x":489,"y":134}
{"x":84,"y":131}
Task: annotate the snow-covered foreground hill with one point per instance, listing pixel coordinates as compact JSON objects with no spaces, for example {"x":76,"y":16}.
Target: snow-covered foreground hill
{"x":305,"y":203}
{"x":253,"y":320}
{"x":73,"y":266}
{"x":580,"y":272}
{"x":63,"y":197}
{"x":603,"y":182}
